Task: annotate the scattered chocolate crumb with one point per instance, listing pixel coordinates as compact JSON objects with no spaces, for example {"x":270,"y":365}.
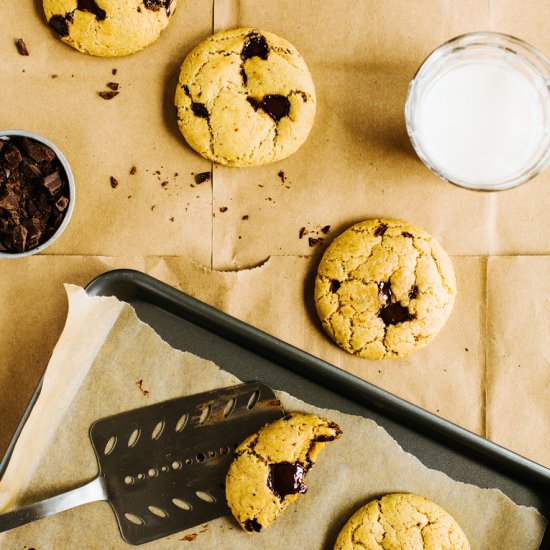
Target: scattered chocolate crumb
{"x":245,"y":217}
{"x":189,"y":538}
{"x":133,"y":171}
{"x":172,"y":219}
{"x":223,"y":208}
{"x":53,"y":76}
{"x":112,"y":86}
{"x":113,"y":72}
{"x":407,"y":234}
{"x":143,"y":391}
{"x":108,"y":95}
{"x":202,"y":177}
{"x":129,"y":196}
{"x":325,"y":229}
{"x":164,"y":183}
{"x":312,"y":242}
{"x":260,"y":185}
{"x":466,"y":349}
{"x":176,"y":174}
{"x":21,"y":47}
{"x":302,"y":232}
{"x":281,"y":174}
{"x":153,"y":207}
{"x":157,"y":172}
{"x":114,"y":182}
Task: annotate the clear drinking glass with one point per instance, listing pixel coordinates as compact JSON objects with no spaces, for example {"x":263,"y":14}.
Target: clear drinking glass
{"x":478,"y":111}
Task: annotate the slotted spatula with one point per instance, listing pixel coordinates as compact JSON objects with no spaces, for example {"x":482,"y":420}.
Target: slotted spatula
{"x":162,"y":467}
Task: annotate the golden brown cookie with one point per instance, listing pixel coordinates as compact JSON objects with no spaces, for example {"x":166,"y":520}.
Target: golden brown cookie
{"x":269,"y":467}
{"x":399,"y":521}
{"x":108,"y":28}
{"x":245,"y":97}
{"x":384,"y":289}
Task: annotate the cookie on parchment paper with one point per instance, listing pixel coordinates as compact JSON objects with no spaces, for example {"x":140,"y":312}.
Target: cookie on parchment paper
{"x":108,"y":28}
{"x":384,"y":289}
{"x":269,"y":468}
{"x":402,"y":520}
{"x":245,"y":97}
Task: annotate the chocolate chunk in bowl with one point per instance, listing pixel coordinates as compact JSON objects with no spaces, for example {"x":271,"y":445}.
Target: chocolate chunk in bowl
{"x":36,"y":193}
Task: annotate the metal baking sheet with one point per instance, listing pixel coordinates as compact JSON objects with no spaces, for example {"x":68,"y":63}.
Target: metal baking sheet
{"x":190,"y":325}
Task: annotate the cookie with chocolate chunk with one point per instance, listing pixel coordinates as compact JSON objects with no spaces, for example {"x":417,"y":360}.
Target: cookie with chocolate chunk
{"x":384,"y":289}
{"x":402,"y":520}
{"x":245,"y":97}
{"x":269,"y":468}
{"x":108,"y":28}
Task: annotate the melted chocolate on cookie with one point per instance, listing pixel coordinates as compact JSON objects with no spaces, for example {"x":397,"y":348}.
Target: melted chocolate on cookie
{"x":252,"y":525}
{"x":92,"y":7}
{"x":276,"y":106}
{"x":391,"y":312}
{"x":59,"y":24}
{"x":286,"y":478}
{"x":255,"y":45}
{"x":155,"y":5}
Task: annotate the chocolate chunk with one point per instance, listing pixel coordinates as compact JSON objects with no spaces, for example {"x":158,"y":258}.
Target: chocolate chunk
{"x":380,"y":230}
{"x":312,"y":242}
{"x":62,"y":203}
{"x":21,"y":47}
{"x":244,"y":75}
{"x":223,"y":208}
{"x":245,"y":217}
{"x":133,"y":171}
{"x":252,"y":525}
{"x":302,"y":232}
{"x":38,"y":151}
{"x":12,"y":155}
{"x":394,"y":314}
{"x":413,"y":292}
{"x":199,"y":109}
{"x":255,"y":45}
{"x":384,"y":292}
{"x":155,"y":5}
{"x":114,"y":72}
{"x":112,"y":86}
{"x":52,"y":182}
{"x":202,"y":177}
{"x":30,"y":169}
{"x":108,"y":95}
{"x":9,"y":201}
{"x":19,"y":238}
{"x":91,"y":7}
{"x":276,"y":106}
{"x":286,"y":478}
{"x":60,"y":25}
{"x":335,"y":285}
{"x":114,"y":182}
{"x":407,"y":234}
{"x":325,"y":229}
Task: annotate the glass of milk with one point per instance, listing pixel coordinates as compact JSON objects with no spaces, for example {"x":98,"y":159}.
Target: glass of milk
{"x":478,"y":111}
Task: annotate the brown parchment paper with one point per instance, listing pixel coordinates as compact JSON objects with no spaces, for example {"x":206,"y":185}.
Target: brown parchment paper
{"x":114,"y":350}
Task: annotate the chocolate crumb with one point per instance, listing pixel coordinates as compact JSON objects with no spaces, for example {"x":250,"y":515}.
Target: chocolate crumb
{"x":189,"y":538}
{"x":172,"y":219}
{"x":108,"y":95}
{"x":114,"y":182}
{"x":114,"y":72}
{"x":252,"y":525}
{"x":302,"y":232}
{"x":223,"y":208}
{"x":164,"y":183}
{"x":281,"y":174}
{"x":112,"y":86}
{"x":245,"y":217}
{"x":202,"y":177}
{"x":407,"y":234}
{"x":466,"y":349}
{"x":312,"y":242}
{"x":153,"y":207}
{"x":380,"y":230}
{"x":21,"y":47}
{"x":325,"y":229}
{"x":53,"y":76}
{"x":143,"y":391}
{"x":133,"y":171}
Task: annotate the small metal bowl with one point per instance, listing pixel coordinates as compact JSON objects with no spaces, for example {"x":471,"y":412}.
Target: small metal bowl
{"x":6,"y":135}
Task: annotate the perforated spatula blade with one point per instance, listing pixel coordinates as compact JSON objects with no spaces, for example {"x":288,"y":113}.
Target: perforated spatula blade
{"x":162,"y":467}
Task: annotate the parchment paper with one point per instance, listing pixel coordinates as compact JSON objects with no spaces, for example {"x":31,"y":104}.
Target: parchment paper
{"x":105,"y":349}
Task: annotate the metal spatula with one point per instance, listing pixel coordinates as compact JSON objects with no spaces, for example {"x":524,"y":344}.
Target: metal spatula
{"x":162,"y":468}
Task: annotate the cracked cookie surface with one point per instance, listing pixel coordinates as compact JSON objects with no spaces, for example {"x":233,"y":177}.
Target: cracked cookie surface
{"x":384,"y":289}
{"x":108,"y":28}
{"x":268,"y":471}
{"x":399,"y":521}
{"x":244,"y":98}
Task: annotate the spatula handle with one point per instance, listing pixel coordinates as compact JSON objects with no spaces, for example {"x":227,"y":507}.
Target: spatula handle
{"x":91,"y":492}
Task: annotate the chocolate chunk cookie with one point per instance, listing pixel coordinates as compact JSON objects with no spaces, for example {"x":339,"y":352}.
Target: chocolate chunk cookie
{"x":108,"y":28}
{"x":402,"y":521}
{"x":270,"y":466}
{"x":245,"y":97}
{"x":384,"y":289}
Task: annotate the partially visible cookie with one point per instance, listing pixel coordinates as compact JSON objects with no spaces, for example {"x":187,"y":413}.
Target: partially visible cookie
{"x":269,"y":467}
{"x":245,"y":97}
{"x":401,"y":520}
{"x":108,"y":28}
{"x":384,"y":289}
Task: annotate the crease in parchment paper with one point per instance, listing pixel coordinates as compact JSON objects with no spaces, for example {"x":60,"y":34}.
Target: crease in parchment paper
{"x":364,"y":464}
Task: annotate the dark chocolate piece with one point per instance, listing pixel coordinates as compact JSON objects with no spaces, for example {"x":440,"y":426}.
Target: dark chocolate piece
{"x":407,"y":234}
{"x":112,"y":86}
{"x":19,"y":238}
{"x":62,"y":203}
{"x":394,"y":314}
{"x":91,"y":7}
{"x":384,"y":292}
{"x":325,"y":229}
{"x":133,"y":171}
{"x":254,"y":102}
{"x":276,"y":106}
{"x":114,"y":182}
{"x":108,"y":95}
{"x":223,"y":208}
{"x":245,"y":217}
{"x":286,"y":478}
{"x":59,"y":24}
{"x":12,"y":156}
{"x":413,"y":292}
{"x":52,"y":182}
{"x":380,"y":230}
{"x":199,"y":109}
{"x":281,"y":174}
{"x":202,"y":177}
{"x":302,"y":232}
{"x":335,"y":285}
{"x":114,"y":72}
{"x":312,"y":242}
{"x":252,"y":525}
{"x":255,"y":45}
{"x":21,"y":47}
{"x":37,"y":151}
{"x":155,"y":5}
